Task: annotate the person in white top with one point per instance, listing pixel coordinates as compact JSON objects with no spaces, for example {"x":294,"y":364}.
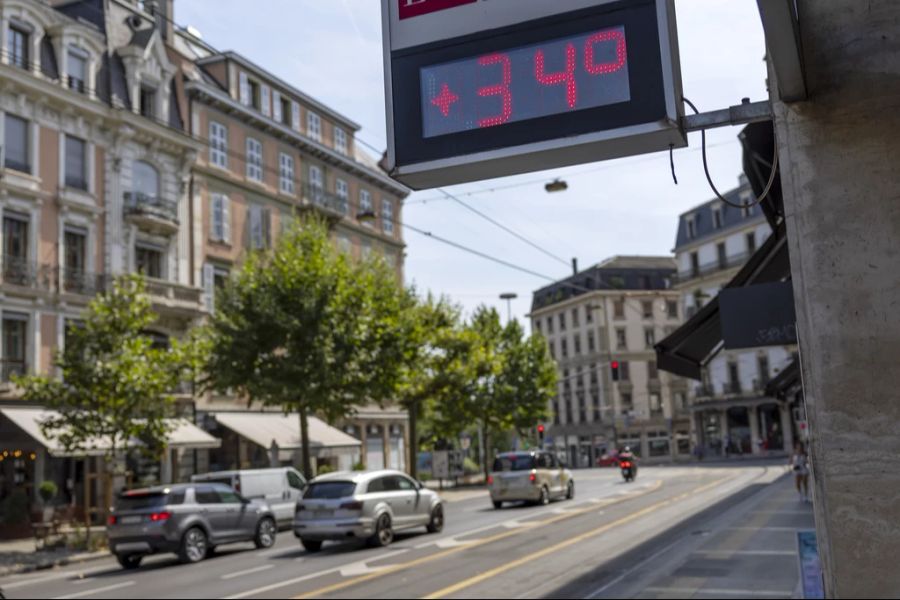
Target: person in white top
{"x":800,"y":464}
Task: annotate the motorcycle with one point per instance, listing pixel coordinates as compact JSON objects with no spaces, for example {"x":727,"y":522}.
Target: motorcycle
{"x":629,"y":470}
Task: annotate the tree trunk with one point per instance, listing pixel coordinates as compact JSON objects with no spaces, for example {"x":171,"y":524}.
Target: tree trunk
{"x":487,"y":457}
{"x":87,"y":501}
{"x":304,"y":441}
{"x":413,"y":439}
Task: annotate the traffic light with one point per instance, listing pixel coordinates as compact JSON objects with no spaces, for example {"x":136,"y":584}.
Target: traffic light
{"x":541,"y":433}
{"x":614,"y":369}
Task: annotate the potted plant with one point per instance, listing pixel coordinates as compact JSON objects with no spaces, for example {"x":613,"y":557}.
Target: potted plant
{"x":47,"y":491}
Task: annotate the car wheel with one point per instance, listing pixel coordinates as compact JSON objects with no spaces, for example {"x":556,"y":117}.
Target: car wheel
{"x":193,"y":546}
{"x":498,"y":505}
{"x":545,"y":497}
{"x":311,"y":545}
{"x":130,"y":561}
{"x":570,"y":491}
{"x":384,"y":535}
{"x":265,"y":533}
{"x":436,"y":525}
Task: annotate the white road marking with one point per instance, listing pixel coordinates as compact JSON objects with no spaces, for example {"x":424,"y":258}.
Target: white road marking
{"x":248,"y":571}
{"x":46,"y":578}
{"x":686,"y":592}
{"x":271,"y":552}
{"x":747,"y":552}
{"x":101,"y":590}
{"x":764,"y":528}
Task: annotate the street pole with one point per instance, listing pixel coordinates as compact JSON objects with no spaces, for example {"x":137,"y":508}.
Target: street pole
{"x":509,"y":297}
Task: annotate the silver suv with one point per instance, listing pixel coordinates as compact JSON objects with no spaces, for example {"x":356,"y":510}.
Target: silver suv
{"x":367,"y":506}
{"x":187,"y":519}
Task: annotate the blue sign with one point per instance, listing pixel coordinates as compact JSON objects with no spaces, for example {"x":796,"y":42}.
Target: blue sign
{"x":810,"y":566}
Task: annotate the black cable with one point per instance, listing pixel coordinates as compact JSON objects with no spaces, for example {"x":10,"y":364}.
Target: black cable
{"x":709,"y":177}
{"x":672,"y":162}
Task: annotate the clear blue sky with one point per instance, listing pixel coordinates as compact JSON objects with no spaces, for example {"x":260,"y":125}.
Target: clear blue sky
{"x":332,"y":50}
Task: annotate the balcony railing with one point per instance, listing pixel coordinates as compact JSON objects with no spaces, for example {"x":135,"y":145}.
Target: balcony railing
{"x":21,"y":272}
{"x":8,"y":368}
{"x":735,"y":260}
{"x":326,"y":200}
{"x":144,"y":205}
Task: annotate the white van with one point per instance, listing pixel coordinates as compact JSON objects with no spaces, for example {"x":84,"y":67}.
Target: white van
{"x":281,"y":488}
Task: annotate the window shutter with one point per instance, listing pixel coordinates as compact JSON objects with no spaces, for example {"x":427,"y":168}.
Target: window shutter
{"x":267,"y":228}
{"x":226,"y":219}
{"x":245,"y":89}
{"x":295,"y":115}
{"x":248,"y":228}
{"x":276,"y":105}
{"x":266,"y":106}
{"x":214,"y":216}
{"x":209,"y":287}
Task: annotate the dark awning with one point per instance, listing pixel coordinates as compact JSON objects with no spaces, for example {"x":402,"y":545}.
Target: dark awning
{"x":785,"y":382}
{"x":695,"y":343}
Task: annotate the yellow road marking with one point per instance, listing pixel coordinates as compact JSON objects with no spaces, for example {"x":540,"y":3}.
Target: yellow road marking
{"x":467,"y":545}
{"x":550,"y":550}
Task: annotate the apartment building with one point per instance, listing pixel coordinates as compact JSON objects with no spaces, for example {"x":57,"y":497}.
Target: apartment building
{"x":129,"y":145}
{"x":731,"y":413}
{"x":607,"y":318}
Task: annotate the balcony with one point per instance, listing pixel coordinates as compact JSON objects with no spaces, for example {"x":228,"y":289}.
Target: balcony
{"x":23,"y":273}
{"x":710,"y":268}
{"x":151,"y":212}
{"x":332,"y":205}
{"x":8,"y":368}
{"x":175,"y":296}
{"x":81,"y":282}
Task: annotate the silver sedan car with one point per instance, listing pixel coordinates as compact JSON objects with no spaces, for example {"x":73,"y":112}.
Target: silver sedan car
{"x":366,"y":506}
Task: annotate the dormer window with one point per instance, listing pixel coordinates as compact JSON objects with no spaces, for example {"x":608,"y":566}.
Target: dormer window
{"x":17,"y":44}
{"x":691,"y":228}
{"x":717,"y":218}
{"x":254,"y":95}
{"x":286,"y":116}
{"x":77,"y":70}
{"x":148,"y":102}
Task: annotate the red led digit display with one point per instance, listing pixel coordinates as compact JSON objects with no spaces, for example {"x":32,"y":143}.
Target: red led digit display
{"x":562,"y":75}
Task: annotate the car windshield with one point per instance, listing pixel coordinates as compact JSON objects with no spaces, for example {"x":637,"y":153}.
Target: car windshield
{"x":523,"y":462}
{"x":139,"y":501}
{"x":329,"y":490}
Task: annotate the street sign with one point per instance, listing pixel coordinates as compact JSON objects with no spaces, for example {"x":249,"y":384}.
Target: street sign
{"x":478,"y":89}
{"x":758,"y":315}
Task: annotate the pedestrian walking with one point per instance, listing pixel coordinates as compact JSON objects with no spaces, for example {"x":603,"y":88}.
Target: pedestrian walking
{"x":800,"y":464}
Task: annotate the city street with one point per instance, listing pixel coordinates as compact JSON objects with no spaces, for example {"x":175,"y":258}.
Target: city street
{"x":591,"y":546}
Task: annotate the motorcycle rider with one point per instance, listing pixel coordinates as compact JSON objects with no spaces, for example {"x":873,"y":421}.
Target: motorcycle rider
{"x":626,"y":455}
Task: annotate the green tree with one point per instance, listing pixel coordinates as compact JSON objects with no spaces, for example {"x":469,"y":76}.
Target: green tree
{"x":117,"y":385}
{"x":304,"y":328}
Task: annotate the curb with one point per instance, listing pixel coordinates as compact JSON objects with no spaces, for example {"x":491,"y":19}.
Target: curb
{"x":64,"y":561}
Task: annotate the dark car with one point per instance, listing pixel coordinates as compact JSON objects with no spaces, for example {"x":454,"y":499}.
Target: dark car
{"x":189,"y":520}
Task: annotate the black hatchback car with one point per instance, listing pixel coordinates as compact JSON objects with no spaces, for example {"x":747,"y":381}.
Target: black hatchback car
{"x":188,"y":519}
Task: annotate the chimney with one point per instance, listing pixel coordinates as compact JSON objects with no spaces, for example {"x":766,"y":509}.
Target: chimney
{"x":574,"y":266}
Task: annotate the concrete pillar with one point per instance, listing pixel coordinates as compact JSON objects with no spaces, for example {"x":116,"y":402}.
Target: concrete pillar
{"x":842,"y":202}
{"x":787,"y":431}
{"x":386,"y":445}
{"x":753,"y":415}
{"x":363,"y":452}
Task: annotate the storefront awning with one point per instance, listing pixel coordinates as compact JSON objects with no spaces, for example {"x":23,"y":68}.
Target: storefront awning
{"x":182,"y":434}
{"x":284,"y":430}
{"x":695,"y":343}
{"x":785,"y":382}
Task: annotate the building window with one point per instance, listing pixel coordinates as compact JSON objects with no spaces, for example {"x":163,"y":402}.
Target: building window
{"x":17,"y":45}
{"x":650,"y":337}
{"x":564,"y":349}
{"x":387,"y":216}
{"x":751,"y":242}
{"x":722,"y":255}
{"x":691,"y":228}
{"x":260,"y":227}
{"x":146,"y":181}
{"x":672,"y":309}
{"x":717,"y":218}
{"x":537,"y":326}
{"x":589,"y":313}
{"x":218,"y":144}
{"x":763,"y":362}
{"x":652,"y":370}
{"x":556,"y":412}
{"x":624,"y":371}
{"x":148,"y":102}
{"x":552,"y":349}
{"x":343,"y":193}
{"x":254,"y":94}
{"x":15,"y":327}
{"x":76,"y":163}
{"x":286,"y":115}
{"x":655,"y":404}
{"x":286,"y":173}
{"x":340,"y":140}
{"x":590,"y":341}
{"x":77,"y":71}
{"x":621,"y":339}
{"x":549,"y":324}
{"x":365,"y":205}
{"x":619,"y":308}
{"x":734,"y":378}
{"x":698,"y":299}
{"x":647,"y":309}
{"x":366,"y":248}
{"x":575,"y":317}
{"x":15,"y":144}
{"x":562,"y":321}
{"x":679,"y":401}
{"x":314,"y":126}
{"x":746,"y":211}
{"x":627,"y":404}
{"x":75,"y":255}
{"x":695,"y":264}
{"x":148,"y":260}
{"x":220,"y":218}
{"x":316,"y":185}
{"x":15,"y":248}
{"x":254,"y":160}
{"x":577,"y":344}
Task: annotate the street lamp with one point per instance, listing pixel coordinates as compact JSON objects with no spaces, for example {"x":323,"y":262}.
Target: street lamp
{"x":366,"y":217}
{"x":557,"y":185}
{"x":509,"y":297}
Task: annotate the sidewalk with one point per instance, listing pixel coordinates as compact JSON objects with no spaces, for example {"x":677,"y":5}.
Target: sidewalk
{"x":20,"y":556}
{"x":747,"y":551}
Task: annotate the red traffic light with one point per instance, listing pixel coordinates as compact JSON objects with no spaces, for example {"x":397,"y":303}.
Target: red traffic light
{"x":540,"y":429}
{"x":614,"y":364}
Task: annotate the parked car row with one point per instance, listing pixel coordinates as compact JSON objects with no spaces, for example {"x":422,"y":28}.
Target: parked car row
{"x":193,"y":519}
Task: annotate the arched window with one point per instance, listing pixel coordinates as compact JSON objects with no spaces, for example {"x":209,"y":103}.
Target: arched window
{"x":146,"y":180}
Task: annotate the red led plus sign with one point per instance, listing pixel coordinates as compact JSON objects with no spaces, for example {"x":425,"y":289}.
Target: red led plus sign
{"x":444,"y":100}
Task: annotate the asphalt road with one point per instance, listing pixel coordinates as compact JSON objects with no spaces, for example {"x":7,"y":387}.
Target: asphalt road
{"x":566,"y":549}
